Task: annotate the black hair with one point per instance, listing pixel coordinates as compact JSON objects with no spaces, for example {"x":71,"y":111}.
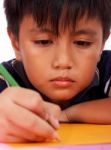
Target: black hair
{"x":50,"y":11}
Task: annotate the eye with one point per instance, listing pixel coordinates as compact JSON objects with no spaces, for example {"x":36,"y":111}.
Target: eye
{"x":83,"y":43}
{"x":43,"y":42}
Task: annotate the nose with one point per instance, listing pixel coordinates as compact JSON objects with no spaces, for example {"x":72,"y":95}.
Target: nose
{"x":62,"y":58}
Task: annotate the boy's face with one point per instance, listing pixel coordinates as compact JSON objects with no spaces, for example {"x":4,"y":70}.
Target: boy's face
{"x":59,"y":67}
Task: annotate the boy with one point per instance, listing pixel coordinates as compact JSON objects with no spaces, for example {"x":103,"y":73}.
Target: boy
{"x":60,"y":66}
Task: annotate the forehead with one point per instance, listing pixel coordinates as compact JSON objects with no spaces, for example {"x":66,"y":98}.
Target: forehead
{"x":59,"y":15}
{"x":83,"y":23}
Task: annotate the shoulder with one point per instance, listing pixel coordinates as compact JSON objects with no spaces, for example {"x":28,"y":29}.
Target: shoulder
{"x":17,"y":71}
{"x":105,"y":58}
{"x":104,"y":67}
{"x":104,"y":64}
{"x":3,"y":82}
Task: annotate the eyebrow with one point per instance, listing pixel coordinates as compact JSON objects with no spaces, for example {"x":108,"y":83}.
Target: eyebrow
{"x":86,"y":32}
{"x":83,"y":31}
{"x":41,"y":30}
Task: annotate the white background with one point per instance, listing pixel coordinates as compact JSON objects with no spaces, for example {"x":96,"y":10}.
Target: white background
{"x":6,"y":51}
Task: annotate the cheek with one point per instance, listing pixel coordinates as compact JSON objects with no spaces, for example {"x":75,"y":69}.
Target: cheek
{"x":86,"y":70}
{"x":35,"y":70}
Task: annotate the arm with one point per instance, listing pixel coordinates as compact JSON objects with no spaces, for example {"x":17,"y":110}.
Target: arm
{"x":96,"y":111}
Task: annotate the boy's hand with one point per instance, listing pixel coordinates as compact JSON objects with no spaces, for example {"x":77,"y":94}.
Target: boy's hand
{"x":23,"y":116}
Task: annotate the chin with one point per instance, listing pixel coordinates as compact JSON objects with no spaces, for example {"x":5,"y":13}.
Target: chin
{"x":60,"y":98}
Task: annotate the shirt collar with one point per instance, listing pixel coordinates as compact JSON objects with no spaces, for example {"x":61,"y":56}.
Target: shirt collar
{"x":95,"y":81}
{"x":19,"y":69}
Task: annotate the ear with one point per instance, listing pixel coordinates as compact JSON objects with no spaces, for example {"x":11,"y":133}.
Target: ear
{"x":15,"y":44}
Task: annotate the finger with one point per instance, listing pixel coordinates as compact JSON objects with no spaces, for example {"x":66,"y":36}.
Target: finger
{"x":28,"y":120}
{"x":24,"y":134}
{"x":8,"y":128}
{"x":54,"y":122}
{"x":28,"y":99}
{"x":54,"y":112}
{"x":6,"y":132}
{"x":12,"y":139}
{"x":32,"y":123}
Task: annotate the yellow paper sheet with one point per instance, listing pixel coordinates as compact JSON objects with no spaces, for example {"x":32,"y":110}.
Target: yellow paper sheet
{"x":80,"y":134}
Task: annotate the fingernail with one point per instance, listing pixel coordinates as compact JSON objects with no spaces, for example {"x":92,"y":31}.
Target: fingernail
{"x":56,"y":136}
{"x":54,"y":122}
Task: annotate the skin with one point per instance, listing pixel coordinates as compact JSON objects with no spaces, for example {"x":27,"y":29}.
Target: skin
{"x":59,"y":65}
{"x":27,"y":114}
{"x":56,"y":66}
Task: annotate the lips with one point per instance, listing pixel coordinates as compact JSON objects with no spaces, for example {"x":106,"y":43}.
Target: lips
{"x":63,"y":82}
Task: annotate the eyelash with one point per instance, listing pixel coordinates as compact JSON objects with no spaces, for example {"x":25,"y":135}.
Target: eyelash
{"x":83,"y":43}
{"x":79,"y":43}
{"x":43,"y":42}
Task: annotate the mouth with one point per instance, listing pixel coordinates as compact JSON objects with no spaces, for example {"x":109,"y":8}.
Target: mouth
{"x":62,"y":82}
